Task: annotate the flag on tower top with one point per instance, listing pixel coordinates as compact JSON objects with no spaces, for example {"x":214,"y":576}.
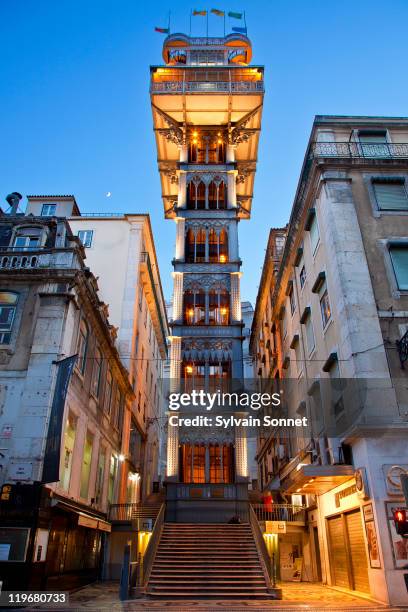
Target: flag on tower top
{"x":202,"y":13}
{"x":235,"y":15}
{"x":162,"y":30}
{"x":240,"y":30}
{"x":218,"y":12}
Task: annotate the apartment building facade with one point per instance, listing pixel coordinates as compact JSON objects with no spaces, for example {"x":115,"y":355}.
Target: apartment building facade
{"x":330,"y":328}
{"x":65,"y":405}
{"x":120,"y":252}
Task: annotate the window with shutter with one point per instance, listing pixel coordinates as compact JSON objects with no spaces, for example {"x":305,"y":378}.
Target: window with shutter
{"x":391,"y":195}
{"x":399,"y":258}
{"x":374,"y":143}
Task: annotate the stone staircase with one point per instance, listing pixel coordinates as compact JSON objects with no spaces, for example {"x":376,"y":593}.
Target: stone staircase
{"x":211,"y":560}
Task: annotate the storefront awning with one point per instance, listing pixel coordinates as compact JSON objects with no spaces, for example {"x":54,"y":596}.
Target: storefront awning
{"x":85,"y":519}
{"x":316,"y":479}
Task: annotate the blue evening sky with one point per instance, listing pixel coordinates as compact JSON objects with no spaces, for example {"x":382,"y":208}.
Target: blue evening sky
{"x":75,"y":114}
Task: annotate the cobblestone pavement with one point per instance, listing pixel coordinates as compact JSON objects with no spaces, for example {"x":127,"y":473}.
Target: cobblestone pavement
{"x":101,"y":597}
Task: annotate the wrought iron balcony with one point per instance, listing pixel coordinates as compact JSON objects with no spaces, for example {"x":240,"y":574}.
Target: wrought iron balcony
{"x":207,"y":87}
{"x":371,"y":150}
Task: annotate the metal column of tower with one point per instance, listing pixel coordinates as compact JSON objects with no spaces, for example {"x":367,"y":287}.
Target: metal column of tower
{"x":207,"y":106}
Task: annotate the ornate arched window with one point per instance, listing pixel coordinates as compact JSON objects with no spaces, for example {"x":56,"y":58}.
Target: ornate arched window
{"x":218,"y":307}
{"x":218,"y":245}
{"x":196,"y":195}
{"x":216,"y":194}
{"x":195,"y":245}
{"x":8,"y":308}
{"x":194,"y":307}
{"x":219,"y":374}
{"x":193,"y":374}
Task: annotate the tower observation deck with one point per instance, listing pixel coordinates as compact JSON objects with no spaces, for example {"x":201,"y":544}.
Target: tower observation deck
{"x":207,"y":107}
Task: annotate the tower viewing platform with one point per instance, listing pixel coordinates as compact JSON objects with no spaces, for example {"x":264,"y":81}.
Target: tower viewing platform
{"x":207,"y":107}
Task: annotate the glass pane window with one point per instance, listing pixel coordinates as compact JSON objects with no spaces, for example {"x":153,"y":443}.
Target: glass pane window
{"x":391,"y":195}
{"x":218,"y":375}
{"x":86,"y":465}
{"x":314,"y":234}
{"x":82,"y":347}
{"x":113,"y":468}
{"x":100,"y":475}
{"x":27,"y":238}
{"x":108,"y":392}
{"x":85,"y":237}
{"x":68,"y":450}
{"x":302,"y":276}
{"x":97,"y":371}
{"x":14,"y":543}
{"x":310,"y":339}
{"x":199,"y":464}
{"x":325,"y":307}
{"x":194,"y":308}
{"x":218,"y":313}
{"x":292,"y":301}
{"x":48,"y":210}
{"x":399,"y":258}
{"x":374,"y":143}
{"x":215,"y":453}
{"x":194,"y":375}
{"x":8,"y":307}
{"x":119,"y":404}
{"x":200,"y":246}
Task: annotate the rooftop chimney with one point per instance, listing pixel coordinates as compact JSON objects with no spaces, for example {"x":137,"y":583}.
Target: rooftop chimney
{"x":13,"y":200}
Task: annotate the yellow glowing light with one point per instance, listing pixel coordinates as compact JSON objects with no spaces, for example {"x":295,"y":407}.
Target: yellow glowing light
{"x":191,"y":312}
{"x":195,"y":134}
{"x":194,"y":140}
{"x":218,"y":133}
{"x":121,"y":458}
{"x":189,"y":369}
{"x":224,"y":311}
{"x":219,"y":141}
{"x":223,"y":258}
{"x":297,"y":490}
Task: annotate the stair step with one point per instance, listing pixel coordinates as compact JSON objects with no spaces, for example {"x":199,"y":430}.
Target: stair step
{"x":200,"y":587}
{"x":192,"y":583}
{"x":224,"y":565}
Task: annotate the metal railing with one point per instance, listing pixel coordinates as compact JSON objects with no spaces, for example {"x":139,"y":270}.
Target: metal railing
{"x":144,"y":258}
{"x":123,"y":512}
{"x":30,"y":258}
{"x":206,"y":491}
{"x":132,"y":512}
{"x":207,"y":86}
{"x":357,"y":149}
{"x":146,"y":564}
{"x":263,"y":554}
{"x":280,"y":512}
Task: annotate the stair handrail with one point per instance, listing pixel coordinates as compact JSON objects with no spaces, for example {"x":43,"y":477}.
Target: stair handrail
{"x":261,"y":548}
{"x":151,"y":549}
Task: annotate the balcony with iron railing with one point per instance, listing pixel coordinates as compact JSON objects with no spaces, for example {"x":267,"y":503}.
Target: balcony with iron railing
{"x":37,"y":258}
{"x":207,"y":80}
{"x":356,"y":149}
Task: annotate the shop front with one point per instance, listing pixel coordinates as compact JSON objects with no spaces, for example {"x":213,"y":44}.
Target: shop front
{"x":48,"y":542}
